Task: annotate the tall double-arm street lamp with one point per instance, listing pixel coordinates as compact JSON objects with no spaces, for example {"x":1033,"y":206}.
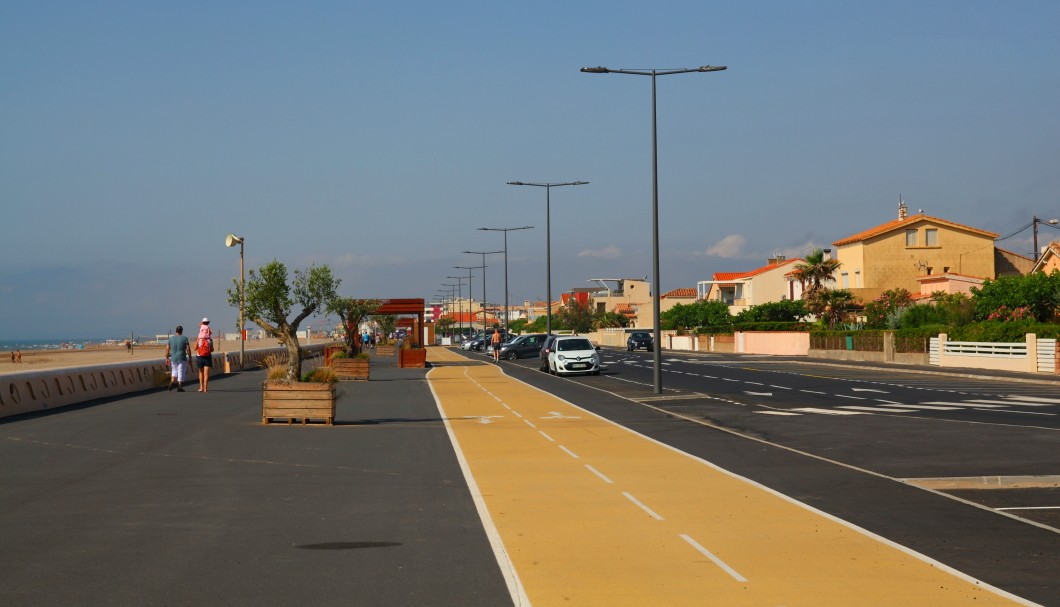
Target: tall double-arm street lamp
{"x":505,"y":230}
{"x":460,"y":294}
{"x":657,"y":350}
{"x":548,"y":241}
{"x":483,"y":266}
{"x":470,"y":314}
{"x":230,"y":241}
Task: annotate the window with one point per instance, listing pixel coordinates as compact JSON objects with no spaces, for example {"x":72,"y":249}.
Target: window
{"x":910,"y":238}
{"x":857,"y":278}
{"x":931,"y":237}
{"x":846,"y":280}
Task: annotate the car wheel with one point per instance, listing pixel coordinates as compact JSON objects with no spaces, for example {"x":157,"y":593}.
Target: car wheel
{"x":511,"y":356}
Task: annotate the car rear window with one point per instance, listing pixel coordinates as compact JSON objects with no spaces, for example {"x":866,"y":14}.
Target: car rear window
{"x":566,"y":345}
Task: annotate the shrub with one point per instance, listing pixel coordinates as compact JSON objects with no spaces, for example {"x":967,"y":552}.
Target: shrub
{"x":324,"y":374}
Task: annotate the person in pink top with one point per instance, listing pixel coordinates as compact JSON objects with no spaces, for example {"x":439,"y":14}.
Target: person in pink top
{"x":204,"y":353}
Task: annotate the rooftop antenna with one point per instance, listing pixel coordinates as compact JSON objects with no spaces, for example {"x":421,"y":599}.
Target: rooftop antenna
{"x":903,"y":211}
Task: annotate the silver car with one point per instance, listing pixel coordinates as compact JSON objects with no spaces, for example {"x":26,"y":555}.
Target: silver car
{"x":573,"y":354}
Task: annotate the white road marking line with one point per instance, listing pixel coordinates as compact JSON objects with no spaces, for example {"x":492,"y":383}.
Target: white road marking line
{"x":550,"y":439}
{"x":811,"y":391}
{"x":505,"y":405}
{"x":720,"y":563}
{"x":928,"y":407}
{"x":598,"y":473}
{"x":961,"y":404}
{"x":1023,"y":412}
{"x":827,"y":411}
{"x":754,"y":383}
{"x":569,"y":452}
{"x":776,"y":413}
{"x":780,"y":387}
{"x":1008,"y":403}
{"x":869,"y":390}
{"x":1037,"y":399}
{"x":650,"y":512}
{"x":729,"y":379}
{"x":851,"y":397}
{"x":529,"y":423}
{"x":1030,"y":508}
{"x":878,"y":409}
{"x":516,"y":413}
{"x":758,"y":393}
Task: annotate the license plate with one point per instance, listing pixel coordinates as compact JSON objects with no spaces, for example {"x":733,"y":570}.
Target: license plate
{"x":579,"y":366}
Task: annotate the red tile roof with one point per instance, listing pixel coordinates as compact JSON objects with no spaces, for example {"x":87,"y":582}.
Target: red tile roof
{"x":681,"y":292}
{"x":755,"y":272}
{"x":903,"y":223}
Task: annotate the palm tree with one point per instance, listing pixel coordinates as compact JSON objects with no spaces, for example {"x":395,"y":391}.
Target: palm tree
{"x":830,"y":304}
{"x":815,"y":271}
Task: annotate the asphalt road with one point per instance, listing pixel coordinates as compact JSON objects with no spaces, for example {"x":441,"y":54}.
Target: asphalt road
{"x":855,"y":441}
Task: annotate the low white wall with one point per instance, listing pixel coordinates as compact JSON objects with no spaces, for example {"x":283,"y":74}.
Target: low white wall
{"x":41,"y":390}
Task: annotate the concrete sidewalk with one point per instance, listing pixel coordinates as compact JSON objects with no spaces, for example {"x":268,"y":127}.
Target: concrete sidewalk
{"x":173,"y":498}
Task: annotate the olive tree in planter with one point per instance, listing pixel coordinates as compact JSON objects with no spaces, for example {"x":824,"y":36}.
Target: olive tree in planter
{"x":352,"y":312}
{"x":270,"y":300}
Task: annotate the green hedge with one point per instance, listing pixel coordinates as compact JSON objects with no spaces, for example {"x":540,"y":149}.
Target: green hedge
{"x":772,"y":326}
{"x":999,"y":331}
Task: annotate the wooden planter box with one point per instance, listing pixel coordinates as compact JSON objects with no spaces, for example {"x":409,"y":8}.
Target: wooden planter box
{"x":412,"y":358}
{"x":302,"y":401}
{"x":351,"y":368}
{"x":384,"y":350}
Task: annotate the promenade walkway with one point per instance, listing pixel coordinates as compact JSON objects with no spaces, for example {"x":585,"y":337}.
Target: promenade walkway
{"x":185,"y":498}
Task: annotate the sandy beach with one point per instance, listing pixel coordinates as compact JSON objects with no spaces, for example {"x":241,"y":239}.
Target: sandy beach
{"x":38,"y":360}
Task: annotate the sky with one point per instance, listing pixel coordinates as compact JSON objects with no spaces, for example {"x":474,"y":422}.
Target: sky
{"x":375,"y":137}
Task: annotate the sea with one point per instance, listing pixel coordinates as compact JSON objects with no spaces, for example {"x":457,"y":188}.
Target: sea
{"x":26,"y":345}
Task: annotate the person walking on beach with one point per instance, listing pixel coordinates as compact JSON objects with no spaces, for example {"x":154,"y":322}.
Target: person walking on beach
{"x":178,"y":353}
{"x":204,"y":353}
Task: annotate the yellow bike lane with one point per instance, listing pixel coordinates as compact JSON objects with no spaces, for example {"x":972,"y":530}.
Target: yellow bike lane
{"x":586,"y":512}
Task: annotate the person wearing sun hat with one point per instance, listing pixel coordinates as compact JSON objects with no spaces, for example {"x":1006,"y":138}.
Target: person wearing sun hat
{"x":204,"y":353}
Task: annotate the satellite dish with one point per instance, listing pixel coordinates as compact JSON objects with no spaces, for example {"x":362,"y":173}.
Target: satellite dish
{"x":232,"y":240}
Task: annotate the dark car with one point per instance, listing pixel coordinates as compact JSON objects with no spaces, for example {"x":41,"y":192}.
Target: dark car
{"x":522,"y":346}
{"x":545,"y":348}
{"x":638,"y":340}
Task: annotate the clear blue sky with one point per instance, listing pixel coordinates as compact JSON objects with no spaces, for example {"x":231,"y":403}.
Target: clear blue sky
{"x":375,"y":137}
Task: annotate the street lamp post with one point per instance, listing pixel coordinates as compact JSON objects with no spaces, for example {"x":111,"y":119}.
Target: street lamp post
{"x":232,"y":240}
{"x":483,"y":254}
{"x":657,"y":350}
{"x":505,"y":230}
{"x":470,"y":314}
{"x":460,"y":304}
{"x":1036,"y":221}
{"x":548,"y":242}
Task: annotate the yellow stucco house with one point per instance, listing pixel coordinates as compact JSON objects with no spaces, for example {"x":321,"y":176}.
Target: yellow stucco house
{"x":1050,"y":259}
{"x":916,"y":250}
{"x":741,"y":290}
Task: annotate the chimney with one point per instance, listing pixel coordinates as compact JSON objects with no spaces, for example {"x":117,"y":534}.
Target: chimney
{"x":903,"y":211}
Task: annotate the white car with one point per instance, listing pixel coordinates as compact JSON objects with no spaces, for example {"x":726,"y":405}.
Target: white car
{"x":573,"y":354}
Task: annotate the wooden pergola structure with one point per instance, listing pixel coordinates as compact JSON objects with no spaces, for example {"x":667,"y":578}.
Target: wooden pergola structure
{"x":405,"y":307}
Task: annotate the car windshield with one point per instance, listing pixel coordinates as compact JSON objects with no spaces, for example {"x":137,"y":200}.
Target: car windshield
{"x":642,"y":335}
{"x":568,"y":345}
